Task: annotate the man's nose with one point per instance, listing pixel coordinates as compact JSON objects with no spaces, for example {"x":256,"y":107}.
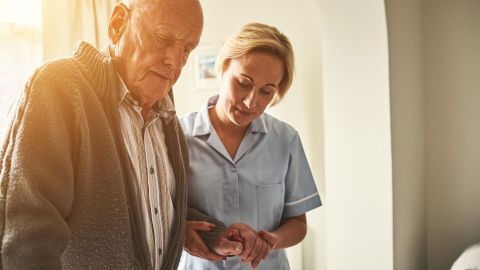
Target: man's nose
{"x":174,"y":57}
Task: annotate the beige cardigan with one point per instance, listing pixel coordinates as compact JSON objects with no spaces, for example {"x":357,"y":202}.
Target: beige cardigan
{"x":65,"y":194}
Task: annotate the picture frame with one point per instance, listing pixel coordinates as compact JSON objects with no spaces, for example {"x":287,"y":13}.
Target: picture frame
{"x":205,"y":75}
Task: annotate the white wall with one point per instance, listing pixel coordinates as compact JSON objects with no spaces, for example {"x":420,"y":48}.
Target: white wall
{"x":452,"y":73}
{"x":405,"y":31}
{"x":302,"y":107}
{"x":357,"y":135}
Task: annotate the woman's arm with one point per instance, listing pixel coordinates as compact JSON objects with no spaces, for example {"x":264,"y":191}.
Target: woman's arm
{"x":290,"y":232}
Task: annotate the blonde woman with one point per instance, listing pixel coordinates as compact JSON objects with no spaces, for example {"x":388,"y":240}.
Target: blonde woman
{"x":247,"y":166}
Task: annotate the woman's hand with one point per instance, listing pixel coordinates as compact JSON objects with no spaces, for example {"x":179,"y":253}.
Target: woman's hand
{"x":271,"y":240}
{"x":194,"y":243}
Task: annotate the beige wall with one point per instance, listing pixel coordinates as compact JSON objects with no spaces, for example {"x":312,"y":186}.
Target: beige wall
{"x":66,"y":23}
{"x":302,"y":107}
{"x":56,"y":35}
{"x":405,"y":31}
{"x":358,"y":179}
{"x":434,"y":68}
{"x":452,"y":74}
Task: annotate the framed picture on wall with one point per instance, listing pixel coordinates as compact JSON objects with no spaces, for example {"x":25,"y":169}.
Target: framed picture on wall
{"x":205,"y":76}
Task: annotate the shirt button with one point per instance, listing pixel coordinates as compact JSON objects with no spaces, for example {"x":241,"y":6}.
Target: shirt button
{"x":152,"y":170}
{"x":156,"y":210}
{"x":160,"y":251}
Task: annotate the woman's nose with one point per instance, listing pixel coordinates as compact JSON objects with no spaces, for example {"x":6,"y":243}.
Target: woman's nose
{"x":250,"y":100}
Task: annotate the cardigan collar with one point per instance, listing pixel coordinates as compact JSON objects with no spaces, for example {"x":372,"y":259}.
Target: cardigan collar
{"x":98,"y":69}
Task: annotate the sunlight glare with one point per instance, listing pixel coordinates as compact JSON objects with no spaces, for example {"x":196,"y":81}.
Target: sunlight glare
{"x":21,"y":12}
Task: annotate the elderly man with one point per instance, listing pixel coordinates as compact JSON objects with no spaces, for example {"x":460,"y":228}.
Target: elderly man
{"x":93,"y":163}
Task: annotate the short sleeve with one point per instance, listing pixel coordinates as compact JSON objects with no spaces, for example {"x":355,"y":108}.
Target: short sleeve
{"x":301,"y":194}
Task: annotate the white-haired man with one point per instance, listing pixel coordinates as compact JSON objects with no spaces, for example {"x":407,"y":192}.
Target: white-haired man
{"x":93,"y":164}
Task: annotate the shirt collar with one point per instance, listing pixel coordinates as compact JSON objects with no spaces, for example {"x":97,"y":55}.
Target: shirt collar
{"x":164,"y":108}
{"x":203,"y":126}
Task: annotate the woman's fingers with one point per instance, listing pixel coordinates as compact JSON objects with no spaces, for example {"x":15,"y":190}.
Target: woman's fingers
{"x":194,"y":243}
{"x":200,"y":226}
{"x":261,"y":254}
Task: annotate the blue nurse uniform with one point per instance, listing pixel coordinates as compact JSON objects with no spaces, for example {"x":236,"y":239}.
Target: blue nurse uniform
{"x":268,"y":179}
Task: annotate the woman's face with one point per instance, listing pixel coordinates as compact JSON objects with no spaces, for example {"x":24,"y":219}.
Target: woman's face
{"x":248,"y":85}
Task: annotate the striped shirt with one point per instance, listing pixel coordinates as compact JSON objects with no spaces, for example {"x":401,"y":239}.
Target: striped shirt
{"x":155,"y":181}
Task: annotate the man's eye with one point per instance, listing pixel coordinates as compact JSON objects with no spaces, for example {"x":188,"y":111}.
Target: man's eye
{"x":161,"y":41}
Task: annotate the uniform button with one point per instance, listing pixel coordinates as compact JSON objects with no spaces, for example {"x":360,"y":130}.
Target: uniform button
{"x":156,"y":210}
{"x":160,"y":251}
{"x":152,"y":170}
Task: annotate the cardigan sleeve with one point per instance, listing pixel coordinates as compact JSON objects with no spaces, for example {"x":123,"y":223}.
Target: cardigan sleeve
{"x":37,"y":177}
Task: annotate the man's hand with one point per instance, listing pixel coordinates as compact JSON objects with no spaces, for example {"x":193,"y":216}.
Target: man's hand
{"x":194,"y":243}
{"x":228,"y":243}
{"x":255,"y":248}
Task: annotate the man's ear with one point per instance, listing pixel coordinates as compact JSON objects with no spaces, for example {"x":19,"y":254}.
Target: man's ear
{"x":118,"y":22}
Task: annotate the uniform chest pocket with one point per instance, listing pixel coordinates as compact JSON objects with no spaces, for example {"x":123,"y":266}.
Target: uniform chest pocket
{"x":270,"y":200}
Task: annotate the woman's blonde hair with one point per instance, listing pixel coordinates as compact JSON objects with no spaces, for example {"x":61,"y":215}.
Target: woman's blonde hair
{"x":260,"y":37}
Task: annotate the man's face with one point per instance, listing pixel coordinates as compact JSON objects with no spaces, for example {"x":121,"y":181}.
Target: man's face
{"x":155,"y":45}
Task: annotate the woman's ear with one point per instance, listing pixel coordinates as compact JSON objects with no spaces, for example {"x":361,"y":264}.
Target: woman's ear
{"x":118,"y":22}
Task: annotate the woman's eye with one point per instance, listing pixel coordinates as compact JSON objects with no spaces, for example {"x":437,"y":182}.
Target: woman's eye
{"x":266,"y":92}
{"x":244,"y":84}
